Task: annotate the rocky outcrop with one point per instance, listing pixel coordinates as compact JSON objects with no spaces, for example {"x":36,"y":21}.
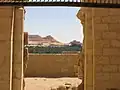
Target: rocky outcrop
{"x":49,"y":38}
{"x":36,"y":39}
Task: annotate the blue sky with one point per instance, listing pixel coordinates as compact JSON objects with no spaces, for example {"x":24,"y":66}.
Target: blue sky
{"x":60,"y":22}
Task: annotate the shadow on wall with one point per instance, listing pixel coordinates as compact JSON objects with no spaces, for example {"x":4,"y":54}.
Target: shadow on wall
{"x":46,"y":65}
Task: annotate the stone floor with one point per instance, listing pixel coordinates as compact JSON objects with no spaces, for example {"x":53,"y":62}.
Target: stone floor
{"x":52,"y":83}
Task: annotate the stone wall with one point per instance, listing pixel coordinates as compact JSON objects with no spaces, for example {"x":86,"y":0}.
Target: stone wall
{"x":6,"y":48}
{"x":11,"y":29}
{"x":101,"y":48}
{"x":51,"y":65}
{"x":85,"y":15}
{"x":18,"y":39}
{"x":107,"y":48}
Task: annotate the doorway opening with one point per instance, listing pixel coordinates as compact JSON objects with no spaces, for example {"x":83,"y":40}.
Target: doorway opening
{"x":55,"y":42}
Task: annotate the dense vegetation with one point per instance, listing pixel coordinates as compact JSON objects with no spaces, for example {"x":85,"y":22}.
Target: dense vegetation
{"x":52,"y":50}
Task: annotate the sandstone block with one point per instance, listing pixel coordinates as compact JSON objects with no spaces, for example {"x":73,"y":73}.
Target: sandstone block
{"x":17,"y":83}
{"x":89,"y":51}
{"x":109,"y":35}
{"x":4,"y":86}
{"x":6,"y":12}
{"x":102,"y":76}
{"x":102,"y":60}
{"x":101,"y":85}
{"x":102,"y":43}
{"x":111,"y":51}
{"x":118,"y":35}
{"x":98,"y":68}
{"x":114,"y":19}
{"x":114,"y":27}
{"x":115,"y":76}
{"x":118,"y":68}
{"x":4,"y":77}
{"x":101,"y":27}
{"x":5,"y":25}
{"x":110,"y":68}
{"x":97,"y":20}
{"x":101,"y":12}
{"x":114,"y":12}
{"x":97,"y":35}
{"x":115,"y":60}
{"x":89,"y":87}
{"x":115,"y":43}
{"x":110,"y":20}
{"x":89,"y":58}
{"x":89,"y":78}
{"x":17,"y":71}
{"x":98,"y":51}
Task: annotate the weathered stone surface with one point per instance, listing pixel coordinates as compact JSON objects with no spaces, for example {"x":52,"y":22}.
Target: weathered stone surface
{"x":6,"y":48}
{"x":102,"y":60}
{"x":102,"y":43}
{"x":110,"y":68}
{"x":104,"y":25}
{"x":109,"y":35}
{"x":111,"y":51}
{"x":57,"y":66}
{"x":98,"y":68}
{"x":115,"y":43}
{"x":102,"y":76}
{"x":115,"y":60}
{"x":101,"y":12}
{"x":101,"y":27}
{"x":17,"y":83}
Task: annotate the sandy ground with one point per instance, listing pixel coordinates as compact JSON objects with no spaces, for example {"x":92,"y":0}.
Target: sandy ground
{"x":50,"y":83}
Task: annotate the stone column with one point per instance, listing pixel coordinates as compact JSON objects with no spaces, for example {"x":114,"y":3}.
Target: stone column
{"x":18,"y":50}
{"x":88,"y":69}
{"x":88,"y":47}
{"x":6,"y":40}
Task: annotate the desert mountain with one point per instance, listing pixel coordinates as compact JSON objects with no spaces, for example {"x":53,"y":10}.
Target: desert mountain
{"x":36,"y":39}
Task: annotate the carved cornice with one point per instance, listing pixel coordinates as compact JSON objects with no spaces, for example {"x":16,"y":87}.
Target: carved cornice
{"x":81,"y":15}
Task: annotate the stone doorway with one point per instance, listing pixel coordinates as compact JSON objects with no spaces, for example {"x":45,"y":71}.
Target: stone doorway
{"x":56,"y":70}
